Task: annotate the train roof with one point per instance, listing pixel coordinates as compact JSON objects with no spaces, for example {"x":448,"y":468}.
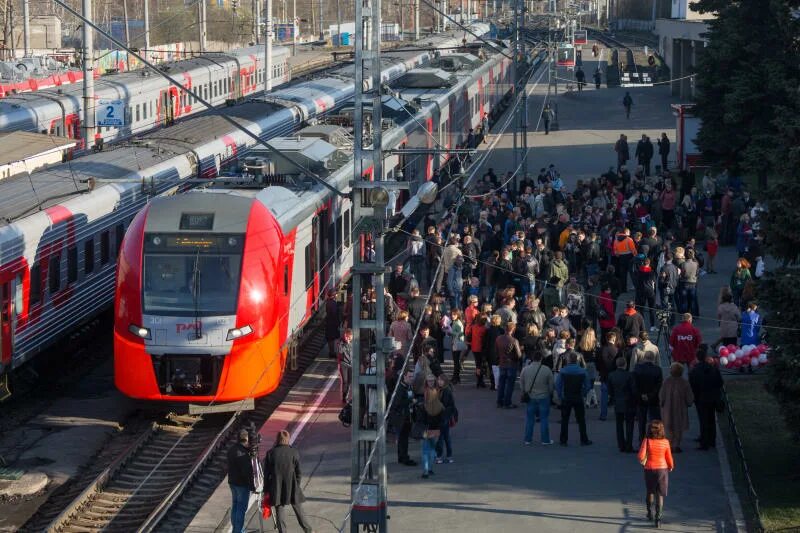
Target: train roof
{"x":24,"y":194}
{"x":75,"y":90}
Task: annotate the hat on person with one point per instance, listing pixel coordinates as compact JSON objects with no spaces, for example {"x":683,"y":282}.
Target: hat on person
{"x":244,"y":436}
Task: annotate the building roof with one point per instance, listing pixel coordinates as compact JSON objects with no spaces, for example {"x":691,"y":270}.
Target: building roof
{"x":21,"y":145}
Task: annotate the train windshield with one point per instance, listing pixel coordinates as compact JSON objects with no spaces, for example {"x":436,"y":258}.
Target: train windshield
{"x":192,"y":275}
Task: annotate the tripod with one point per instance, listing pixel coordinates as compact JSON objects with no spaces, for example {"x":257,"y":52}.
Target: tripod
{"x":663,"y":316}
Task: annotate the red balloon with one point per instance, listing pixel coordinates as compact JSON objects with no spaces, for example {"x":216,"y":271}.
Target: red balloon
{"x":754,"y":353}
{"x":746,"y":361}
{"x":731,"y":348}
{"x":737,"y":363}
{"x":762,"y":348}
{"x":723,"y":352}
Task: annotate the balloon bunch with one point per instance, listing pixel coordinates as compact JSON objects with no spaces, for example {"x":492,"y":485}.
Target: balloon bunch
{"x":740,"y":357}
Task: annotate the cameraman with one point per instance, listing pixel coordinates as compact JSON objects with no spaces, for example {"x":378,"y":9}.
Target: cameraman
{"x":240,"y":480}
{"x":668,"y":276}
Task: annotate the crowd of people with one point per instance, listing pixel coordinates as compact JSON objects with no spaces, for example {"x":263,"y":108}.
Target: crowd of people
{"x":585,"y":294}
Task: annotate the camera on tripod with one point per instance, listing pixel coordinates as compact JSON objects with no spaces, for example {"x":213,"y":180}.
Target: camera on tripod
{"x":664,"y":315}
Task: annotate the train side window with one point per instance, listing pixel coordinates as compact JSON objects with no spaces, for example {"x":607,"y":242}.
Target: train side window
{"x":88,"y":256}
{"x":72,"y":264}
{"x":18,"y":300}
{"x":309,"y":266}
{"x":119,"y":235}
{"x":346,"y":229}
{"x":285,"y":279}
{"x":105,"y":247}
{"x":339,"y":233}
{"x":138,"y":117}
{"x":36,"y":284}
{"x":54,"y":273}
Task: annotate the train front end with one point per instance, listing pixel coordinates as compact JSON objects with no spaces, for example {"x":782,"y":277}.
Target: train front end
{"x":196,"y":313}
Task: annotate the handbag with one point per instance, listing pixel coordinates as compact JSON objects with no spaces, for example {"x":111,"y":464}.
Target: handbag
{"x":646,"y":452}
{"x":418,"y":430}
{"x":526,"y":395}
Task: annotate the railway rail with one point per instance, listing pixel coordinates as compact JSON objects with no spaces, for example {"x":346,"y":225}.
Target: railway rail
{"x":160,"y":481}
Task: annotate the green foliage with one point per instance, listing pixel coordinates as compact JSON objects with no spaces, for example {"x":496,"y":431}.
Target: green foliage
{"x":779,"y":294}
{"x":780,"y":222}
{"x":747,"y":81}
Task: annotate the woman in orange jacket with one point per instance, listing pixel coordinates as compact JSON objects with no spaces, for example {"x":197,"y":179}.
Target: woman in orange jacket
{"x":655,"y":456}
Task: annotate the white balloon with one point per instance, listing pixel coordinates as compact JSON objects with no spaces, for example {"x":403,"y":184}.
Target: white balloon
{"x":754,"y":362}
{"x":723,"y":361}
{"x":739,"y":352}
{"x":762,"y":358}
{"x":721,"y":347}
{"x":732,"y":357}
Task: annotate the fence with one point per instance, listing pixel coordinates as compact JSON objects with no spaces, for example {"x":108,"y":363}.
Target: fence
{"x":737,"y":441}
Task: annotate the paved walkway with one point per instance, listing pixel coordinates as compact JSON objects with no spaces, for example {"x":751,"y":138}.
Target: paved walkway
{"x":496,"y":483}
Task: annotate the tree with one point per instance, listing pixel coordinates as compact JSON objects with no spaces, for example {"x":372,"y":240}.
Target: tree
{"x":779,"y":296}
{"x":780,"y":224}
{"x":747,"y":79}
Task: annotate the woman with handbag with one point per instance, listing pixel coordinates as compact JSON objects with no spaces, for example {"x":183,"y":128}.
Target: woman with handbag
{"x":459,"y":346}
{"x":655,"y":456}
{"x":432,"y":414}
{"x":449,"y":419}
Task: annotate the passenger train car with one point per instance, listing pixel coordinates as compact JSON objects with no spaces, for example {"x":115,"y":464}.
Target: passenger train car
{"x":213,"y":284}
{"x":61,"y":228}
{"x":150,"y":101}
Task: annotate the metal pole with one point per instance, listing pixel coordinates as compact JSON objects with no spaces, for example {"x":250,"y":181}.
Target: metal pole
{"x":339,"y":21}
{"x":201,"y":24}
{"x":256,"y":9}
{"x":369,"y":493}
{"x":146,"y":4}
{"x":88,"y":77}
{"x":26,"y":27}
{"x":515,"y":49}
{"x":416,"y":20}
{"x":402,"y":35}
{"x":295,"y":27}
{"x":268,"y":48}
{"x":127,"y":30}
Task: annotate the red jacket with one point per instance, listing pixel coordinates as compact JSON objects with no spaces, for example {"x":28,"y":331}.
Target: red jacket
{"x":607,"y":304}
{"x":683,"y":341}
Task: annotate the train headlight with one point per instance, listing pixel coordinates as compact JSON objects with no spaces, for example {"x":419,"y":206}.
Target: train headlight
{"x":238,"y":333}
{"x":157,"y":241}
{"x":139,"y":331}
{"x":232,"y":241}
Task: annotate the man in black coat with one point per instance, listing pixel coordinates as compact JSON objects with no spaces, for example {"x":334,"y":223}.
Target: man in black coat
{"x":648,"y":379}
{"x":706,"y":382}
{"x":416,"y":307}
{"x":400,"y":417}
{"x":622,"y":395}
{"x":631,"y":321}
{"x":282,"y":482}
{"x":663,"y":150}
{"x":240,"y":480}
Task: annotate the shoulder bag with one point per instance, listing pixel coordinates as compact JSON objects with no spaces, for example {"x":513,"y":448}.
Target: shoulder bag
{"x":526,"y":395}
{"x":646,"y":452}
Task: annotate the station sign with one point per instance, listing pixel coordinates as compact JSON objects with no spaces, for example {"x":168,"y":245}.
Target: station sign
{"x":110,"y":113}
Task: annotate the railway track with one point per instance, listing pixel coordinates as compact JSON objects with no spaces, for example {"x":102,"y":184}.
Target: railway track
{"x":167,"y":473}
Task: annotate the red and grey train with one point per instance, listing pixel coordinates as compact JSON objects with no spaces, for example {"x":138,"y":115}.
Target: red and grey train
{"x":213,"y":284}
{"x":60,"y":238}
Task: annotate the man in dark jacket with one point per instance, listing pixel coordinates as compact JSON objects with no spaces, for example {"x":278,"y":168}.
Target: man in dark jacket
{"x":282,"y":482}
{"x":572,"y":384}
{"x":400,"y":416}
{"x":622,"y":394}
{"x":648,"y":378}
{"x":706,"y":382}
{"x":240,"y":480}
{"x":663,"y":150}
{"x":416,"y":307}
{"x":631,"y":321}
{"x":509,"y":355}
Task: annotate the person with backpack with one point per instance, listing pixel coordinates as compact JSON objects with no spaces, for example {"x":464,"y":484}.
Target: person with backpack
{"x":430,"y":415}
{"x":449,"y":418}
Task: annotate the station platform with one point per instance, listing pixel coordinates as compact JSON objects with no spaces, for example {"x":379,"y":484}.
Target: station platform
{"x":497,"y":484}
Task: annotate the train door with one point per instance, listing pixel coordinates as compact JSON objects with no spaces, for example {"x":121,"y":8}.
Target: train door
{"x":314,"y":260}
{"x":323,"y":252}
{"x":6,"y":313}
{"x":167,"y":108}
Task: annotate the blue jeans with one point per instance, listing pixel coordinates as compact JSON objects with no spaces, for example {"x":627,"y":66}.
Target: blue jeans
{"x":443,"y":443}
{"x":603,"y":400}
{"x":505,"y":387}
{"x":540,"y":408}
{"x":241,"y":497}
{"x":690,"y":299}
{"x":428,"y":454}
